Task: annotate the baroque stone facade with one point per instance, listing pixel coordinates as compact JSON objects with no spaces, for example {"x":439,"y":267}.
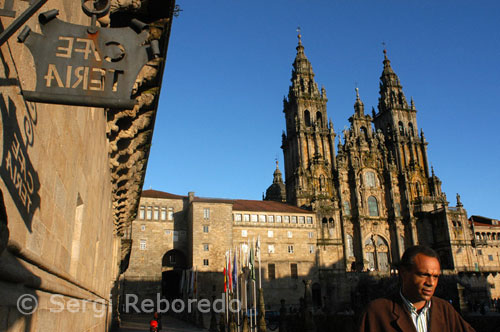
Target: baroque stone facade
{"x":70,"y":179}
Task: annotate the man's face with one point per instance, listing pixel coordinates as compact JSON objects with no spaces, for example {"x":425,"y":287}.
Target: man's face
{"x":420,"y":281}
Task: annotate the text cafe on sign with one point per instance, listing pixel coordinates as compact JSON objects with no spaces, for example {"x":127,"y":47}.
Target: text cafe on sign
{"x":86,"y":65}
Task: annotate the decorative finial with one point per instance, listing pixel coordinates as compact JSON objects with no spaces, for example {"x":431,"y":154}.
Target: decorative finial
{"x":299,"y":35}
{"x":357,"y":92}
{"x":432,"y":170}
{"x":385,"y":51}
{"x":412,"y":103}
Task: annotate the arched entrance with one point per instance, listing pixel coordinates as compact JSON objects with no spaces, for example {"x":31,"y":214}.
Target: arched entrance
{"x":316,"y":295}
{"x":173,"y":262}
{"x":377,"y":253}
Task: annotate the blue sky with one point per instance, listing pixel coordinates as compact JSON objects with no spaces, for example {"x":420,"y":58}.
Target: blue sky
{"x":219,"y":123}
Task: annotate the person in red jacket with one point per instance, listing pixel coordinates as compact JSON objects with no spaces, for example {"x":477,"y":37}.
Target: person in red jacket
{"x":414,"y":307}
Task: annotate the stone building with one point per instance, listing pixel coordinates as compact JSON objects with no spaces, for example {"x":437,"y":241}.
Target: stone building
{"x":352,"y":209}
{"x":71,"y":176}
{"x":175,"y":233}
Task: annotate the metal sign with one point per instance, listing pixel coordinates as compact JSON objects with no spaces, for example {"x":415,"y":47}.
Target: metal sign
{"x":85,"y":66}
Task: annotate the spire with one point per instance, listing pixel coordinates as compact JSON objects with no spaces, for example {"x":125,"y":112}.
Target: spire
{"x":391,"y":91}
{"x":359,"y":107}
{"x":303,"y":83}
{"x":277,"y":177}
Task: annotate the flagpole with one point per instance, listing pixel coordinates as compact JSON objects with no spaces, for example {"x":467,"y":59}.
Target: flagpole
{"x":235,"y":267}
{"x":227,"y":292}
{"x":260,"y":267}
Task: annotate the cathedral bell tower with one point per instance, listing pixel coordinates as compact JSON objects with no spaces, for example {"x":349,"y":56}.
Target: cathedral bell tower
{"x":308,"y":144}
{"x":398,"y":121}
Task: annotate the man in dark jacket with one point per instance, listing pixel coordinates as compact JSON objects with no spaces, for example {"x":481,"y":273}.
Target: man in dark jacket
{"x":414,"y":308}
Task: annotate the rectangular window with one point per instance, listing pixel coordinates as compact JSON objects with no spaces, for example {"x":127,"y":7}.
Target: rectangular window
{"x":294,"y":219}
{"x":176,"y":236}
{"x":163,"y":214}
{"x":205,"y":262}
{"x":143,"y":228}
{"x":237,"y":217}
{"x":142,"y":210}
{"x":479,"y":251}
{"x":170,"y":214}
{"x":286,"y":219}
{"x":290,"y":248}
{"x":206,"y":213}
{"x":309,"y":220}
{"x":270,"y":233}
{"x":253,"y":217}
{"x":271,"y":271}
{"x":244,"y":233}
{"x":311,"y":235}
{"x":262,"y":218}
{"x":149,"y":212}
{"x":278,"y":218}
{"x":167,"y":232}
{"x":205,"y":246}
{"x":156,"y":214}
{"x":270,"y":218}
{"x":289,"y":234}
{"x":311,"y":248}
{"x":142,"y":244}
{"x":293,"y":271}
{"x":270,"y":248}
{"x":302,"y":220}
{"x":490,"y":257}
{"x":246,"y":217}
{"x":205,"y":228}
{"x":347,"y":208}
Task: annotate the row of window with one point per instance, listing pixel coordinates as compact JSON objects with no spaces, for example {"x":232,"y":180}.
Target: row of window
{"x":271,"y":218}
{"x":155,"y":213}
{"x":270,"y":233}
{"x":487,"y":236}
{"x":271,"y":248}
{"x":271,"y":269}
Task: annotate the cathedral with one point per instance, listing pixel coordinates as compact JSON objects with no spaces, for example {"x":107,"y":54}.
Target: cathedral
{"x":373,"y":192}
{"x":344,"y":212}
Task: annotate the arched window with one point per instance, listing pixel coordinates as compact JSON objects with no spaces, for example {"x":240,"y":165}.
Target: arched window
{"x":324,"y":221}
{"x":364,"y":132}
{"x":331,"y":222}
{"x":350,"y":246}
{"x":401,"y":128}
{"x":401,"y":244}
{"x":372,"y":206}
{"x":410,"y":128}
{"x":370,"y":179}
{"x":322,"y":182}
{"x":397,"y":209}
{"x":418,"y":188}
{"x":307,"y":118}
{"x":319,"y":119}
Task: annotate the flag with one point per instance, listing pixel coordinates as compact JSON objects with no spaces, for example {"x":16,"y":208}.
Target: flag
{"x":251,"y":262}
{"x":235,"y":270}
{"x":229,"y":274}
{"x":225,"y":282}
{"x":257,"y":246}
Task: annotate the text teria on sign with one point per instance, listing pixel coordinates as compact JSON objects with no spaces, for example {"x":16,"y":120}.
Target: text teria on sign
{"x":78,"y":67}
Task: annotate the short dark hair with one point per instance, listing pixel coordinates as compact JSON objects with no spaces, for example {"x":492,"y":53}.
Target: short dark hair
{"x":408,"y":259}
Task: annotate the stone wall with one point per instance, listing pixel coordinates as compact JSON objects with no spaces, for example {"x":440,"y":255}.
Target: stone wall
{"x":57,"y":194}
{"x":61,"y":213}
